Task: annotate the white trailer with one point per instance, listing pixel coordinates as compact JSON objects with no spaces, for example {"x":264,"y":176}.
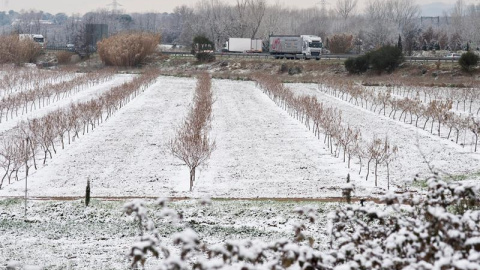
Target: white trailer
{"x":257,"y":46}
{"x":240,"y":45}
{"x":296,"y":47}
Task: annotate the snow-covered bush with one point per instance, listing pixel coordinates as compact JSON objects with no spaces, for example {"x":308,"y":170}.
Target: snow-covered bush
{"x":440,"y":230}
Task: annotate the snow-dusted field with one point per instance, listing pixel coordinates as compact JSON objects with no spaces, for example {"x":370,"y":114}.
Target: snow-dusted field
{"x":261,"y":150}
{"x":125,"y":156}
{"x":66,"y":235}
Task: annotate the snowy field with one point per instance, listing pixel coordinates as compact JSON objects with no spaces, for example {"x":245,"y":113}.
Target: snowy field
{"x":261,"y":150}
{"x":66,"y":235}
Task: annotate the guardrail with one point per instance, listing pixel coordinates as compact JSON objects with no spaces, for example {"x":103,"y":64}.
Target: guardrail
{"x":56,"y":48}
{"x":81,"y":52}
{"x":324,"y":56}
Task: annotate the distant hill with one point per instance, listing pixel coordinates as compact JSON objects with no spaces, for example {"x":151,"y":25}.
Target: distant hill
{"x":436,"y":9}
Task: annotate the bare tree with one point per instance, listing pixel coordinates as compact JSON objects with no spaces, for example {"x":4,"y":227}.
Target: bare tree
{"x":345,"y":7}
{"x":257,"y":12}
{"x":192,"y":143}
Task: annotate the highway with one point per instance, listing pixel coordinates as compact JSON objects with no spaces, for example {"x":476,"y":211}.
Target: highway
{"x":220,"y":55}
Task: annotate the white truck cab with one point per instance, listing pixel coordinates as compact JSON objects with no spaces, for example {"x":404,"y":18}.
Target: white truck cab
{"x":37,"y":38}
{"x":312,"y":46}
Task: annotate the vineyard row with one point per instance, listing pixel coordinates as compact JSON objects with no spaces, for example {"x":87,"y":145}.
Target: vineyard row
{"x":20,"y":147}
{"x":328,"y":120}
{"x":39,"y":97}
{"x":413,"y":111}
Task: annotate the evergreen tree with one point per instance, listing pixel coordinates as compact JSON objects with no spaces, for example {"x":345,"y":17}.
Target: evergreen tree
{"x":399,"y":45}
{"x":87,"y":193}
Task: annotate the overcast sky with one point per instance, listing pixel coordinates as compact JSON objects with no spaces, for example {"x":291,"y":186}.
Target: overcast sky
{"x":83,"y":6}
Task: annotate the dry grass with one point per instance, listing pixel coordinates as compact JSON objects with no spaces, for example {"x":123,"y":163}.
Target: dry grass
{"x":14,"y":50}
{"x":127,"y":49}
{"x":64,"y":57}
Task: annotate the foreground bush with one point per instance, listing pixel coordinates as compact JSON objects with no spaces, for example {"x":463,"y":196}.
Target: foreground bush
{"x":387,"y":58}
{"x":357,"y":65}
{"x":17,"y":51}
{"x":205,"y":57}
{"x":127,"y":49}
{"x":439,"y":230}
{"x":468,"y":61}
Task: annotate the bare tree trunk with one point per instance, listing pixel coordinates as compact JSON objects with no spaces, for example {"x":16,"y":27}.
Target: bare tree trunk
{"x":368,"y":169}
{"x":192,"y":177}
{"x":388,"y":177}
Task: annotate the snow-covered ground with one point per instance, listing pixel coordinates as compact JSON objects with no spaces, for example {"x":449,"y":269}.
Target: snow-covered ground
{"x":67,"y":235}
{"x":126,"y":155}
{"x":261,"y":151}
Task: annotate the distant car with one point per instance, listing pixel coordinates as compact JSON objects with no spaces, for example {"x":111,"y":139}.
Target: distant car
{"x":453,"y":55}
{"x":71,"y":47}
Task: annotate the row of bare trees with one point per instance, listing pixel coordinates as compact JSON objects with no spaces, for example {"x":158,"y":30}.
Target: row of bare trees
{"x":192,"y":143}
{"x":322,"y":119}
{"x":466,"y":99}
{"x":22,"y":146}
{"x":15,"y":79}
{"x":410,"y":110}
{"x":51,"y":92}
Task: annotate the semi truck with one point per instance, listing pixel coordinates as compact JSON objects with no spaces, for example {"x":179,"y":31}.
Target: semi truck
{"x":37,"y":38}
{"x":296,"y":47}
{"x":241,"y":45}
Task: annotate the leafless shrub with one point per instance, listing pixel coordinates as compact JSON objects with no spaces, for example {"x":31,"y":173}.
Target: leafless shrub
{"x":64,"y":57}
{"x":341,"y":43}
{"x":127,"y":49}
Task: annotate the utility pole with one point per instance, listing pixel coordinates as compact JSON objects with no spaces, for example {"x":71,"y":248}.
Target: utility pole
{"x":323,"y":4}
{"x":115,"y":5}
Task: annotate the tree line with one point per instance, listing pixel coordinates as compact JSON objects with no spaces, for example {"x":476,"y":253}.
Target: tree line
{"x":380,"y":22}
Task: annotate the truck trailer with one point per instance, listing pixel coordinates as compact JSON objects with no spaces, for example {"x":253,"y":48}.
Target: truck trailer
{"x":241,"y":45}
{"x":296,"y":47}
